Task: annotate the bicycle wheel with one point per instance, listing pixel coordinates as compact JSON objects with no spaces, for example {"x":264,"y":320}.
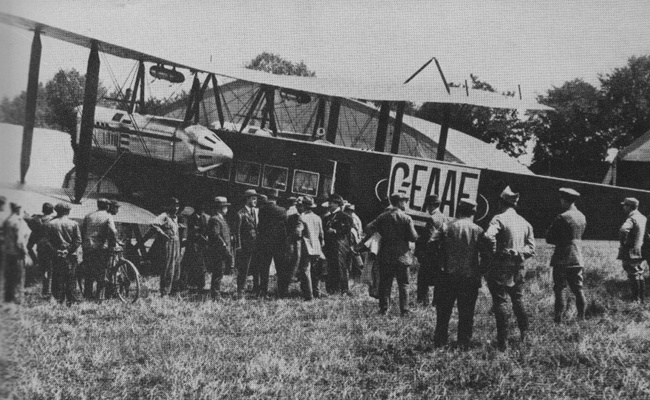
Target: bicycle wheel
{"x":126,"y":281}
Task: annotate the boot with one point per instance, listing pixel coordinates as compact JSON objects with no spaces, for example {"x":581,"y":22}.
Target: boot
{"x":634,"y":288}
{"x":641,"y":290}
{"x":559,"y":307}
{"x":580,"y":304}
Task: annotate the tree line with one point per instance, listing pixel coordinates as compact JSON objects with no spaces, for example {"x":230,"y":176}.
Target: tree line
{"x":570,"y":142}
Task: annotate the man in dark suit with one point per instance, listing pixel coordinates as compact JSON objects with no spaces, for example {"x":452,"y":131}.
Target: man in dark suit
{"x":426,"y":248}
{"x":337,"y":226}
{"x":272,"y":241}
{"x":567,"y":261}
{"x":631,"y":239}
{"x":246,"y":238}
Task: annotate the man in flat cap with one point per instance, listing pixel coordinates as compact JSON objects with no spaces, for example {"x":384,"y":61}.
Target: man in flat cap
{"x":37,"y":240}
{"x":460,"y":274}
{"x":426,"y":248}
{"x":64,"y":235}
{"x":16,"y":234}
{"x":629,"y":252}
{"x":272,"y":242}
{"x":219,"y":244}
{"x":397,"y":231}
{"x":99,"y":236}
{"x":512,"y":242}
{"x":337,"y":226}
{"x":246,"y":239}
{"x":567,"y":261}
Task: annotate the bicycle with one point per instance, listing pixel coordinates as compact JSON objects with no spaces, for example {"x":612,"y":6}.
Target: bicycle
{"x":124,"y":276}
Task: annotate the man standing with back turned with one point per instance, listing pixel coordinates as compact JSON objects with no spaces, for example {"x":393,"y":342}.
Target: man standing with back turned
{"x":566,"y":234}
{"x":512,"y":241}
{"x":397,"y":231}
{"x":629,"y":252}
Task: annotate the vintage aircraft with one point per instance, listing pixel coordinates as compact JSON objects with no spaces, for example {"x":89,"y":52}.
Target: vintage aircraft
{"x":313,"y":158}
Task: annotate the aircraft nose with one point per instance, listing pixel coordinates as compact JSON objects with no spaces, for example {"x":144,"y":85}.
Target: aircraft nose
{"x":210,"y":151}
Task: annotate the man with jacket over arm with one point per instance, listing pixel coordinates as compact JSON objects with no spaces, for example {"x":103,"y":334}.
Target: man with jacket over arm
{"x":567,"y":261}
{"x":629,"y":252}
{"x":512,"y":242}
{"x":427,"y":248}
{"x":219,"y":244}
{"x":246,"y":238}
{"x":337,"y":226}
{"x":397,"y":231}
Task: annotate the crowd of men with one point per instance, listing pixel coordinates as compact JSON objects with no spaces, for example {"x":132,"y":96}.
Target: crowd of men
{"x":313,"y":244}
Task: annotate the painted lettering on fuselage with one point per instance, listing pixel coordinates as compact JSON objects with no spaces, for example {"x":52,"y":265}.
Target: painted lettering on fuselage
{"x":420,"y":178}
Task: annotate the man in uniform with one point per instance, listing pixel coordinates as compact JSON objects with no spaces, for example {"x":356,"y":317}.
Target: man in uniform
{"x":427,"y":248}
{"x":16,"y":234}
{"x":567,"y":261}
{"x":631,"y":240}
{"x":4,"y":214}
{"x":64,"y":236}
{"x":272,"y":241}
{"x":397,"y":231}
{"x":246,"y":238}
{"x":460,"y":275}
{"x":219,"y":244}
{"x":512,"y":242}
{"x":312,"y":249}
{"x":193,"y":265}
{"x":37,"y":238}
{"x":337,"y":226}
{"x":99,"y":235}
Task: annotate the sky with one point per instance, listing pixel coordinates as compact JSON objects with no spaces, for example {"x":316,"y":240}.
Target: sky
{"x":535,"y":44}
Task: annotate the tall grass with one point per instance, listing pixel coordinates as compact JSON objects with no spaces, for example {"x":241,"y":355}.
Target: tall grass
{"x":335,"y":348}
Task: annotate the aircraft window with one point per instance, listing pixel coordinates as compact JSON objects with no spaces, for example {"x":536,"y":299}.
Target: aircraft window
{"x":275,"y":177}
{"x":305,"y":182}
{"x":222,"y":172}
{"x":126,"y":121}
{"x":172,"y":123}
{"x":117,"y":117}
{"x":248,"y":173}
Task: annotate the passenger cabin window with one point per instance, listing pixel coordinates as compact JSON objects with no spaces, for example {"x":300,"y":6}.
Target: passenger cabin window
{"x":305,"y":182}
{"x":275,"y":177}
{"x":117,"y":117}
{"x":221,"y":172}
{"x":248,"y":173}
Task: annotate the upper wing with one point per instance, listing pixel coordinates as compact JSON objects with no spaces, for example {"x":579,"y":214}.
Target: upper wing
{"x":375,"y":91}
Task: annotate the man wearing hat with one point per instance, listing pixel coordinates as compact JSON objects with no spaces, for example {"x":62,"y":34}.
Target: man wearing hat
{"x":312,"y":244}
{"x":37,"y":239}
{"x":194,"y":263}
{"x":166,"y":248}
{"x":460,"y":275}
{"x":567,"y":261}
{"x":246,"y":239}
{"x":16,"y":234}
{"x":629,"y":252}
{"x":292,"y":201}
{"x":426,"y":248}
{"x":64,"y":235}
{"x":337,"y":226}
{"x":397,"y":231}
{"x":272,"y":243}
{"x":99,"y":235}
{"x":512,"y":242}
{"x":219,"y":244}
{"x":4,"y":214}
{"x":295,"y":230}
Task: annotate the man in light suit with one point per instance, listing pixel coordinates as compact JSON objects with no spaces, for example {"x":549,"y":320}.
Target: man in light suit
{"x":567,"y":261}
{"x":631,"y":239}
{"x":246,"y":237}
{"x":512,"y":242}
{"x":312,"y":243}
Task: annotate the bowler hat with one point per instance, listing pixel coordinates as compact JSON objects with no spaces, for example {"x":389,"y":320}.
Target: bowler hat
{"x":509,"y":196}
{"x":103,"y":201}
{"x":250,"y":192}
{"x":221,"y":201}
{"x":630,"y":201}
{"x":397,"y":196}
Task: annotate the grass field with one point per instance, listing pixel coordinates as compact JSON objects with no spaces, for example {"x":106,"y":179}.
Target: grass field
{"x":329,"y":348}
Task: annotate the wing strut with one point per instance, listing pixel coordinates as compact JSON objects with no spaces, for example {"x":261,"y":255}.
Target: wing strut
{"x":251,"y":111}
{"x":397,"y":127}
{"x":217,"y":99}
{"x":30,"y":107}
{"x":333,"y":121}
{"x":82,"y":159}
{"x":320,"y":116}
{"x":138,"y":87}
{"x":382,"y":126}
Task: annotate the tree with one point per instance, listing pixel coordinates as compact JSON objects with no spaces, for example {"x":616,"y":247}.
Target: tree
{"x":571,"y":141}
{"x":13,"y":111}
{"x":499,"y":126}
{"x":64,"y":93}
{"x":275,"y":64}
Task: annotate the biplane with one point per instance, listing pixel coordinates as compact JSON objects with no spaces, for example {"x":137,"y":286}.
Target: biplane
{"x":301,"y":136}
